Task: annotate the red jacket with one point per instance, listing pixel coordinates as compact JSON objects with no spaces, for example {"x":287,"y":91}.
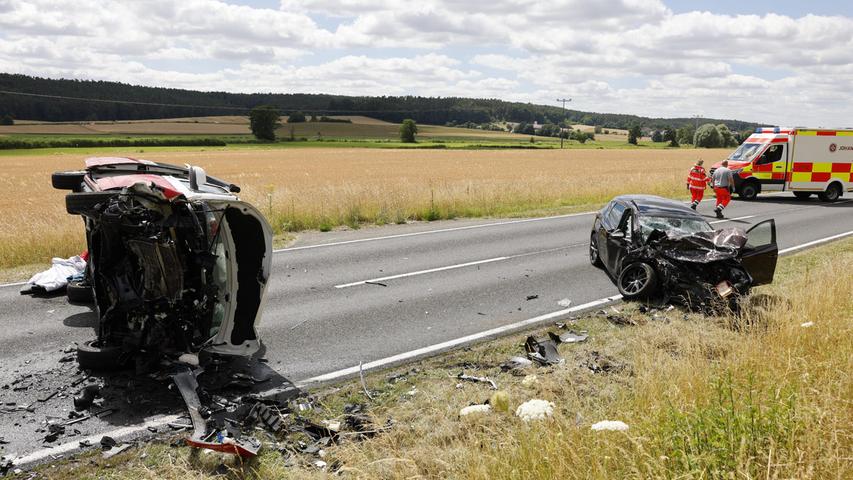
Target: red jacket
{"x":697,"y":179}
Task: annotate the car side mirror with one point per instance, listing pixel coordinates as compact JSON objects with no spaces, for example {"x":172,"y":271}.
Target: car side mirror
{"x":197,"y":177}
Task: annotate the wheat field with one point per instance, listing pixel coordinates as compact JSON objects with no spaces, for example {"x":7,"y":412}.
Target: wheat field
{"x":318,"y":188}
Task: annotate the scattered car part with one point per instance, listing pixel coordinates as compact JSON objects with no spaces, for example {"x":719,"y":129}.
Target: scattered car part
{"x":218,"y":440}
{"x":87,"y":396}
{"x":543,"y":351}
{"x":469,"y":378}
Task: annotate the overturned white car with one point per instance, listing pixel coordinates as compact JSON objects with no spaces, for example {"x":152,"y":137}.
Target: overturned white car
{"x":178,"y":264}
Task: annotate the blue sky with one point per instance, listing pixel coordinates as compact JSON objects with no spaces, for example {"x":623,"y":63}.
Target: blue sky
{"x":774,"y":62}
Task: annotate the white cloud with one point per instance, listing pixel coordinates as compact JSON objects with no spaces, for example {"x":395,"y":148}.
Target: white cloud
{"x":627,"y":56}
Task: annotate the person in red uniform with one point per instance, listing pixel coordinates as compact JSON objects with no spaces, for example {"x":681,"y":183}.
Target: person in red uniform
{"x":697,"y":180}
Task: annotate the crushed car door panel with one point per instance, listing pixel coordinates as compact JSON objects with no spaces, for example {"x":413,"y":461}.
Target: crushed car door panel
{"x":760,"y":253}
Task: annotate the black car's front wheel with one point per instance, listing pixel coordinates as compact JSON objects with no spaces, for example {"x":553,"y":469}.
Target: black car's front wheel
{"x":594,"y":258}
{"x":637,"y":280}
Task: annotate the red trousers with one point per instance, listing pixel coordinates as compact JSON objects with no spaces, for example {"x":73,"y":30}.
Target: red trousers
{"x":696,"y":195}
{"x":723,"y":197}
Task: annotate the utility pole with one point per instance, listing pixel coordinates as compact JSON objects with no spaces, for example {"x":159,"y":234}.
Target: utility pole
{"x":564,"y":100}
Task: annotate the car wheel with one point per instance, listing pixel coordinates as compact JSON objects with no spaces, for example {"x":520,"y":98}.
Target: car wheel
{"x":92,"y":356}
{"x":803,"y":195}
{"x":637,"y":280}
{"x":80,"y":292}
{"x":594,"y":258}
{"x":748,"y":191}
{"x":83,"y":202}
{"x":67,"y":180}
{"x":832,"y":193}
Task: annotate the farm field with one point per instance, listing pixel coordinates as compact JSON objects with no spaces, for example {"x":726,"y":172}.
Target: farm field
{"x":321,"y":188}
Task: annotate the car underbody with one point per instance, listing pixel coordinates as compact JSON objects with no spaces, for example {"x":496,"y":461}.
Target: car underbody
{"x":173,"y":270}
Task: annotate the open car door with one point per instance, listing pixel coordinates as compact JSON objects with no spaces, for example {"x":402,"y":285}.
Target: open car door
{"x":760,"y":253}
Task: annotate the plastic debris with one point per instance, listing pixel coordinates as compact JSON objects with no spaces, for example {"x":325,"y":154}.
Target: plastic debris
{"x":569,"y":337}
{"x":807,"y":324}
{"x":535,"y":410}
{"x":469,"y":378}
{"x":87,"y":395}
{"x":115,"y":451}
{"x":610,"y":425}
{"x":565,"y":303}
{"x":515,"y":363}
{"x":475,"y":409}
{"x":543,"y":351}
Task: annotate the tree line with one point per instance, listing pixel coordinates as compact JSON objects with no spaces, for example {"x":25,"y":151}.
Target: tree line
{"x":156,"y":102}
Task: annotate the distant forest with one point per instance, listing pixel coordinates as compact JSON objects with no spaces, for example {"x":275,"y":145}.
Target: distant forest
{"x":189,"y":103}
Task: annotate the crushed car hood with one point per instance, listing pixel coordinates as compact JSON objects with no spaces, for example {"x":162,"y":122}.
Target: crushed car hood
{"x":700,"y":247}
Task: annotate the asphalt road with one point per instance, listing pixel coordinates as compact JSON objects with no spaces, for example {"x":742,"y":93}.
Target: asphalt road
{"x":426,"y":284}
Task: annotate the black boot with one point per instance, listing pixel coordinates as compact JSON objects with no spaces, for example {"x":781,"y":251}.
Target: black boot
{"x":719,"y":213}
{"x":693,"y":206}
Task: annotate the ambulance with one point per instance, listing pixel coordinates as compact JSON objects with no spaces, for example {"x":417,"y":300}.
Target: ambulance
{"x":804,"y":161}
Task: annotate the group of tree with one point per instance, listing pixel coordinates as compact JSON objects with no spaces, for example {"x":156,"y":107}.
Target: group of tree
{"x":715,"y":136}
{"x":153,"y":102}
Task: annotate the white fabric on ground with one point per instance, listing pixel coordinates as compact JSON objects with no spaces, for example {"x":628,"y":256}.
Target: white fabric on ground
{"x":56,"y":277}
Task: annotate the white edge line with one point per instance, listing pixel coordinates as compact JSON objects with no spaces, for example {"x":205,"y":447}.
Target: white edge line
{"x":93,"y":439}
{"x":815,"y":242}
{"x":15,"y":284}
{"x":427,"y":232}
{"x":456,"y":342}
{"x":421,"y":272}
{"x":327,"y":377}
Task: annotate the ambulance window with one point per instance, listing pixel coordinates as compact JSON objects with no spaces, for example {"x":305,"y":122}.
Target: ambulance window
{"x":772,"y":154}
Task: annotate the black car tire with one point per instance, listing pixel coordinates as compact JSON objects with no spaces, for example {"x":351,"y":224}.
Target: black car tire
{"x":802,"y":195}
{"x":832,"y":193}
{"x":83,"y":202}
{"x":67,"y":180}
{"x":79,"y":292}
{"x":637,"y":280}
{"x":594,"y":257}
{"x":91,"y":356}
{"x":748,"y":191}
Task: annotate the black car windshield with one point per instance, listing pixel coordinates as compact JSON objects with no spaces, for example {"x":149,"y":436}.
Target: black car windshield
{"x":676,"y":226}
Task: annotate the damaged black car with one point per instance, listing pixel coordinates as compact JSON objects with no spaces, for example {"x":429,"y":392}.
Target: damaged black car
{"x":177,"y":262}
{"x":653,"y":248}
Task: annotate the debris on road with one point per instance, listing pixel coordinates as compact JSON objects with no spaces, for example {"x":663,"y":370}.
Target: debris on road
{"x":113,"y":451}
{"x":610,"y":425}
{"x":516,"y":363}
{"x":543,"y":351}
{"x":469,"y":378}
{"x":87,"y":395}
{"x":569,"y":337}
{"x":535,"y":410}
{"x":532,"y":297}
{"x":565,"y":303}
{"x":599,"y":363}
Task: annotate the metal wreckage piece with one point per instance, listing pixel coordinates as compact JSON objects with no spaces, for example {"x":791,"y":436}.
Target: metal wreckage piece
{"x":699,"y":271}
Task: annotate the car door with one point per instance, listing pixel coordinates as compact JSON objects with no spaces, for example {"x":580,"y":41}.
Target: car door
{"x":601,"y":233}
{"x":761,"y":252}
{"x":618,"y":236}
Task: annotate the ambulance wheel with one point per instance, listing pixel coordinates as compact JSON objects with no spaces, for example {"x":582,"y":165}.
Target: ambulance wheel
{"x":748,"y":191}
{"x":803,"y":195}
{"x":832,"y":193}
{"x":637,"y":280}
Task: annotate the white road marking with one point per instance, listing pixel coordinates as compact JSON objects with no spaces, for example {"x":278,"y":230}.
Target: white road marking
{"x":429,"y":232}
{"x":815,"y":242}
{"x":15,"y":284}
{"x":732,"y":219}
{"x":459,"y":265}
{"x":421,"y":272}
{"x":74,"y":446}
{"x":455,"y":342}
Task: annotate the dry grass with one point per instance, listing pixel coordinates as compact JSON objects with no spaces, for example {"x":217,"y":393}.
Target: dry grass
{"x":756,"y":396}
{"x":302,"y":189}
